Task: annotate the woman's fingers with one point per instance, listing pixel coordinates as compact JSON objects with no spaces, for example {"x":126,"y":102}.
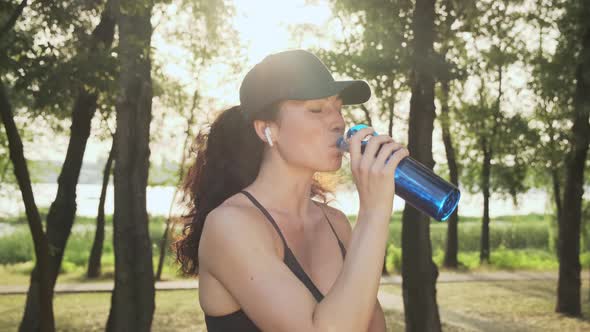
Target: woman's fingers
{"x":372,"y":170}
{"x":355,"y":147}
{"x":395,"y":159}
{"x":386,"y":151}
{"x":370,"y":154}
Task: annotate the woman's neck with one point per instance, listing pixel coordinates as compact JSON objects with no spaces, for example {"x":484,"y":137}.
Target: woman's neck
{"x":284,"y":188}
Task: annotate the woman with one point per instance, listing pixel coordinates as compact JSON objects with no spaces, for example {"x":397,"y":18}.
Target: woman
{"x":267,"y":255}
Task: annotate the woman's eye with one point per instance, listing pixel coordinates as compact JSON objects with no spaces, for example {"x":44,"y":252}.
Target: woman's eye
{"x":316,"y":111}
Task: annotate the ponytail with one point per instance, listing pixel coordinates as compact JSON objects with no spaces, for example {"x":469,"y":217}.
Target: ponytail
{"x":228,"y":159}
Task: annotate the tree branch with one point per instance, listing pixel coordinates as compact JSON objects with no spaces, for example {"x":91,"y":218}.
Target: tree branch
{"x":13,"y":18}
{"x":367,"y":114}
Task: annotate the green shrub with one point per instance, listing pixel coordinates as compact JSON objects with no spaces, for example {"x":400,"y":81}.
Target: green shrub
{"x":523,"y":259}
{"x":17,"y":247}
{"x":393,"y":261}
{"x":512,"y":235}
{"x":526,"y":242}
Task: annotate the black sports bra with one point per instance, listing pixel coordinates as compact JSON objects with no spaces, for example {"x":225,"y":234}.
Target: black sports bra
{"x":238,"y":321}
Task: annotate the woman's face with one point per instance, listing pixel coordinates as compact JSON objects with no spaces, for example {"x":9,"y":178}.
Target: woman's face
{"x":308,"y":132}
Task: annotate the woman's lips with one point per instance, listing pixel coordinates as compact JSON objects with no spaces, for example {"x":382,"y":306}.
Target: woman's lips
{"x":338,"y":151}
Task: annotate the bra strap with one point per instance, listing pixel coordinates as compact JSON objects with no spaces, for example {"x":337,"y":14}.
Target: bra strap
{"x":340,"y":244}
{"x":265,"y":212}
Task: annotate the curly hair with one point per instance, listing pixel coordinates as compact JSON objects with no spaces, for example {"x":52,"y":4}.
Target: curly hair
{"x":227,"y":159}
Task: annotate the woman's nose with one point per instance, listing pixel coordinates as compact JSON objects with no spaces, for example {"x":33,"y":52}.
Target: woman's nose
{"x":338,"y":122}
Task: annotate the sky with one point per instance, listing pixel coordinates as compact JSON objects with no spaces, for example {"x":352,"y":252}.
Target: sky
{"x":263,"y":28}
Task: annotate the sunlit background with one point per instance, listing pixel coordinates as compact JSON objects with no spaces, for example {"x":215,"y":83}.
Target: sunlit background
{"x":507,"y":80}
{"x":263,"y":27}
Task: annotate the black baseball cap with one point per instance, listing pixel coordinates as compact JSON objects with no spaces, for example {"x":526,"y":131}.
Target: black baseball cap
{"x":297,"y":75}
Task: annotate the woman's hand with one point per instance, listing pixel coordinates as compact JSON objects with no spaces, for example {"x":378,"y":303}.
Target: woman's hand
{"x":373,"y":177}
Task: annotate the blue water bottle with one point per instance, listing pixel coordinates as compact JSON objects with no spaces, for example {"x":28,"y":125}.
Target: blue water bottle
{"x":417,"y":184}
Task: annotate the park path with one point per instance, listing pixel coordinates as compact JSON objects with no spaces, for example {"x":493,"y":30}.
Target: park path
{"x":444,"y":276}
{"x":457,"y":320}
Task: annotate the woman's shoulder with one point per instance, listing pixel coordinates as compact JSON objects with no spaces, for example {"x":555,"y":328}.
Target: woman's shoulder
{"x":231,"y":223}
{"x":233,"y":214}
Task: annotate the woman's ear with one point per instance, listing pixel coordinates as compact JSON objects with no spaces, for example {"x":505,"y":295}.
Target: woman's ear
{"x":264,"y":131}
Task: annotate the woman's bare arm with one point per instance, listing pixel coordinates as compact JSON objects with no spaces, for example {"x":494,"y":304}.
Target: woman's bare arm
{"x":344,"y":230}
{"x":378,"y":321}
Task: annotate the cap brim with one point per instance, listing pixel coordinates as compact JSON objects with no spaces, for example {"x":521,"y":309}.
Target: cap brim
{"x":352,"y":92}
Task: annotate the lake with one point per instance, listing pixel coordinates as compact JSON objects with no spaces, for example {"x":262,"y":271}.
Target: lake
{"x":160,"y":197}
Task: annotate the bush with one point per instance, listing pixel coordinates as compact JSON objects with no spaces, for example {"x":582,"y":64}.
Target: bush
{"x":17,"y":247}
{"x":515,"y":243}
{"x":523,"y":259}
{"x":511,"y":235}
{"x":393,"y":261}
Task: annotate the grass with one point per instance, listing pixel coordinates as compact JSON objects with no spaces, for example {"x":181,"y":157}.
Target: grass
{"x":19,"y":274}
{"x":520,"y":305}
{"x":176,"y":310}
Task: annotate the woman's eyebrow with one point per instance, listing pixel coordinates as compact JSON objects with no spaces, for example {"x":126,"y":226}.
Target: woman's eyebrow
{"x":314,"y":103}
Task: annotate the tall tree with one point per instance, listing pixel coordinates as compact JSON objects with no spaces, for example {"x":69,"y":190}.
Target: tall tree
{"x":169,"y":230}
{"x":497,"y":58}
{"x":378,"y":53}
{"x":493,"y":166}
{"x":419,"y":272}
{"x":132,"y":302}
{"x":63,"y":209}
{"x":551,"y":95}
{"x":209,"y":40}
{"x":44,"y":292}
{"x":19,"y":164}
{"x":452,"y":242}
{"x":575,"y":32}
{"x":452,"y":50}
{"x":94,"y":260}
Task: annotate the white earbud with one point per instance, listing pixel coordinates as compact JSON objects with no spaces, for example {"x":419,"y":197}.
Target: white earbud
{"x":267,"y":134}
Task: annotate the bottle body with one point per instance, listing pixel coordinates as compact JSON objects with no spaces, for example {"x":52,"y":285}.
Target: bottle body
{"x":417,"y":184}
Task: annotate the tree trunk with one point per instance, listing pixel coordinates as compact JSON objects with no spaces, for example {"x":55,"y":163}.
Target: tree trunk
{"x":164,"y":243}
{"x":44,"y":291}
{"x":487,"y":145}
{"x":62,"y":211}
{"x":390,"y":133}
{"x":169,"y":224}
{"x":568,"y":286}
{"x":132,"y":301}
{"x":484,"y":252}
{"x":16,"y":14}
{"x":367,"y":115}
{"x":452,"y":248}
{"x":418,"y":271}
{"x":557,"y":200}
{"x":391,"y":108}
{"x":94,"y":266}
